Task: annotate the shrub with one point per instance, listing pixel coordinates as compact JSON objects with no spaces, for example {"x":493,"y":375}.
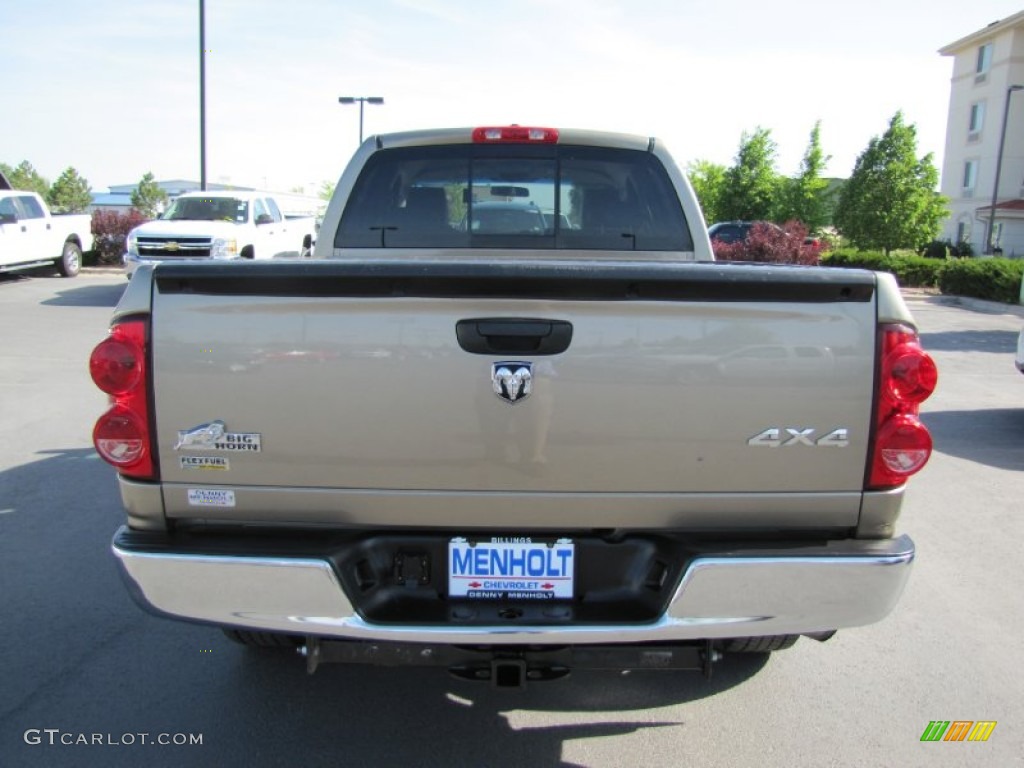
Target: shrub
{"x":110,"y":231}
{"x":767,"y":242}
{"x":911,"y":271}
{"x":994,"y":279}
{"x":963,"y":249}
{"x":938,"y":249}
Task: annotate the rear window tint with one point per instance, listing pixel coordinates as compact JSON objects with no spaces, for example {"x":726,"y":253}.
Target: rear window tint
{"x":514,"y":196}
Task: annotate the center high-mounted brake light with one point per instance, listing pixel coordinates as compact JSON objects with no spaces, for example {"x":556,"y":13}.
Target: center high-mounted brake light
{"x":515,"y":134}
{"x":122,"y":435}
{"x":902,"y":444}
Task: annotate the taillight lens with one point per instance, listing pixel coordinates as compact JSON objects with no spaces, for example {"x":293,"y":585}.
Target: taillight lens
{"x":120,"y":437}
{"x":515,"y":134}
{"x":908,"y":376}
{"x":904,"y":445}
{"x":118,"y":367}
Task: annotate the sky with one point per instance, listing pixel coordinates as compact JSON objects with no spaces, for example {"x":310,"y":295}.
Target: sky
{"x":111,"y":87}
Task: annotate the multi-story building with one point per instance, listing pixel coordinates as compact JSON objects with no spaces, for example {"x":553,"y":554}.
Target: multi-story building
{"x":987,"y":89}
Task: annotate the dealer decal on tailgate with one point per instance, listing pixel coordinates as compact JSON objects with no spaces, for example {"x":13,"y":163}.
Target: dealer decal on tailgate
{"x":511,"y":569}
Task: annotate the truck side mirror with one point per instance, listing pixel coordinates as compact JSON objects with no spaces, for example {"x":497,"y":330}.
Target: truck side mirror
{"x":264,"y":218}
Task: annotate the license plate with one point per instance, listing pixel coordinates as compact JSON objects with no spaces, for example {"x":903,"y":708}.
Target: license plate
{"x":510,"y":569}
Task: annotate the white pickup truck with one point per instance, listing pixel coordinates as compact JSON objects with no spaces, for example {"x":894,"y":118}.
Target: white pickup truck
{"x":220,"y":225}
{"x":30,"y":236}
{"x":513,"y":446}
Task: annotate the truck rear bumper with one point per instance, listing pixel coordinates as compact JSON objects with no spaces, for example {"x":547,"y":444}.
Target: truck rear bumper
{"x":721,"y":595}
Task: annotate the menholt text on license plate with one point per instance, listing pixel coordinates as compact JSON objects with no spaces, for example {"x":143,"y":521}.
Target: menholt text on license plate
{"x":509,"y":568}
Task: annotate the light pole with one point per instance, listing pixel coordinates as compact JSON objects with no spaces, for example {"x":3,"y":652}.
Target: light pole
{"x":362,"y":100}
{"x":202,"y":95}
{"x":999,"y":168}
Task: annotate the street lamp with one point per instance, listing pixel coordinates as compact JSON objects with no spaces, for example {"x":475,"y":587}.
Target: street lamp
{"x":362,"y":100}
{"x":999,"y":168}
{"x":202,"y":95}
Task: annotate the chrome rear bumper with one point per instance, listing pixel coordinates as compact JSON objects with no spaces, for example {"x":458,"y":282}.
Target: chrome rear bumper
{"x":743,"y":594}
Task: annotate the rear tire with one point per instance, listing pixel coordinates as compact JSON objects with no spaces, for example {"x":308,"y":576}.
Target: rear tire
{"x":759,"y":644}
{"x":70,"y":261}
{"x":261,"y":639}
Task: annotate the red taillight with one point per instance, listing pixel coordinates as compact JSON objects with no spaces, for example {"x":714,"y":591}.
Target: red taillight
{"x":120,"y":437}
{"x":909,"y":374}
{"x":515,"y":134}
{"x":118,"y":366}
{"x":902,"y":444}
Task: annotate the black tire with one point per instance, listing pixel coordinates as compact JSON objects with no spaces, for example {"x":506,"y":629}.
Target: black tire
{"x":759,"y":644}
{"x":261,"y":639}
{"x":70,"y":261}
{"x":248,"y":252}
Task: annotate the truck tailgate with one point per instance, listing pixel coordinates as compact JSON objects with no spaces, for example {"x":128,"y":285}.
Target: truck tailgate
{"x":678,"y":379}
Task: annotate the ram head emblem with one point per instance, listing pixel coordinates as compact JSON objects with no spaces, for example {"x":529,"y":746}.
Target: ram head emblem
{"x":512,"y":381}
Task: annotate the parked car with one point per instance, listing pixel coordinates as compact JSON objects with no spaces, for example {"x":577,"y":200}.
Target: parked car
{"x":507,"y":218}
{"x":730,"y":231}
{"x":220,"y":225}
{"x":31,"y":236}
{"x":736,"y":231}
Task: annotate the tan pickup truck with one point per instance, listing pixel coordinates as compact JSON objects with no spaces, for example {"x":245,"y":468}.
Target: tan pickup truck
{"x":513,"y":450}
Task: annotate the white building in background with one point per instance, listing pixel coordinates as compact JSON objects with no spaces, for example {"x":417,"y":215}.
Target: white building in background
{"x":986,"y":66}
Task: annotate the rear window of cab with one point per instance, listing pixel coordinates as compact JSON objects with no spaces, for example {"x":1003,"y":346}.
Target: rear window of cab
{"x":514,"y":196}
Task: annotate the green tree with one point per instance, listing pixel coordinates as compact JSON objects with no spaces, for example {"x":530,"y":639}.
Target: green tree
{"x":26,"y":178}
{"x":70,"y":193}
{"x":806,"y":196}
{"x":148,"y":198}
{"x":751,"y":184}
{"x":890,"y":200}
{"x":708,"y":182}
{"x":326,"y":190}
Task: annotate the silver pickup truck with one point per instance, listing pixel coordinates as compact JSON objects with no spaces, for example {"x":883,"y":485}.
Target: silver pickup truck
{"x":509,"y":449}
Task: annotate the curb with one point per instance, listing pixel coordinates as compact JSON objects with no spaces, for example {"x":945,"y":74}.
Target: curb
{"x":977,"y":305}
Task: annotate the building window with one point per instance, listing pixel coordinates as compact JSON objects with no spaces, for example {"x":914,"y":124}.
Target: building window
{"x":962,"y":232}
{"x":970,"y":177}
{"x":984,"y":63}
{"x":976,"y":122}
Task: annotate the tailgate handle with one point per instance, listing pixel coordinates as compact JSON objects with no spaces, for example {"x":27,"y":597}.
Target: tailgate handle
{"x":514,"y":336}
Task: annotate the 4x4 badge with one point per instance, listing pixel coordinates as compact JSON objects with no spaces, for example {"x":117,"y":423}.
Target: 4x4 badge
{"x":512,"y":381}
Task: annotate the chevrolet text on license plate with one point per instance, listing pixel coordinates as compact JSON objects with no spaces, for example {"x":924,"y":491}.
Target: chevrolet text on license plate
{"x":508,"y":568}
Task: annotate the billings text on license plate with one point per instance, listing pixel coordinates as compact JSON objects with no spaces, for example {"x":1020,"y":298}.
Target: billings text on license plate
{"x":511,"y":569}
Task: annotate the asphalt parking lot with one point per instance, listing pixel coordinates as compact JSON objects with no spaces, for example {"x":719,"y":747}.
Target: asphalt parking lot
{"x":80,"y":659}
